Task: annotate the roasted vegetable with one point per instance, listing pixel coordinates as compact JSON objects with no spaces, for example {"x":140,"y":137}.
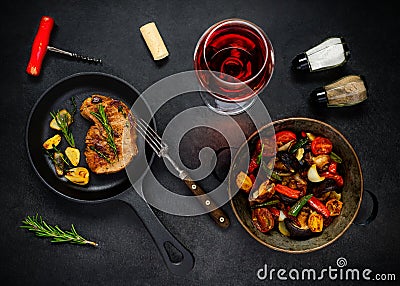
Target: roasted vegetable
{"x":299,"y":154}
{"x":264,"y":192}
{"x":298,"y":145}
{"x":283,"y":137}
{"x":321,"y":160}
{"x":244,"y":182}
{"x":321,"y":145}
{"x":328,"y":185}
{"x":336,"y":158}
{"x":73,"y":155}
{"x":313,"y":175}
{"x":334,"y":206}
{"x":63,"y":113}
{"x":289,"y":160}
{"x":295,"y":209}
{"x":283,"y":229}
{"x":58,"y":160}
{"x":315,"y":222}
{"x":286,"y":191}
{"x":307,"y":182}
{"x":263,"y":205}
{"x":78,"y":175}
{"x":338,"y":179}
{"x":319,"y":207}
{"x":51,"y":142}
{"x":262,"y":219}
{"x":297,"y":232}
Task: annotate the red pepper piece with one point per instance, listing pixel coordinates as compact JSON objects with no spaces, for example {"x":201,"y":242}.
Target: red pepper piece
{"x":338,"y":179}
{"x":275,"y":212}
{"x":319,"y":207}
{"x":286,"y":191}
{"x":39,"y":47}
{"x":332,"y":167}
{"x":253,"y":165}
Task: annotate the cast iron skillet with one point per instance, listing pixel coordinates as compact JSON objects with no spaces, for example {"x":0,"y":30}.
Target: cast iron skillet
{"x":101,"y":188}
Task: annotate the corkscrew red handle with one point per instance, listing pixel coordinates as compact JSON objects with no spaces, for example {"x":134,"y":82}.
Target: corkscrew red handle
{"x":39,"y":47}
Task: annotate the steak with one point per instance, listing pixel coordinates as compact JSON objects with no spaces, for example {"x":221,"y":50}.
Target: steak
{"x":100,"y":156}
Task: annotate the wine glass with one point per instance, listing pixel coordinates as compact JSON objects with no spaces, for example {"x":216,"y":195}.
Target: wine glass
{"x":234,"y":61}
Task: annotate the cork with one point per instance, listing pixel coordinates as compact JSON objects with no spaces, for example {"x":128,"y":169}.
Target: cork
{"x":154,"y":41}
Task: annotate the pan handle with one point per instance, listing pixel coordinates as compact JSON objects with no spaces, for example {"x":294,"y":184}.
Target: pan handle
{"x":176,"y":257}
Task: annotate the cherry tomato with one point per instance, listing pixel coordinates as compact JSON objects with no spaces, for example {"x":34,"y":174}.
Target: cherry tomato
{"x":315,"y":222}
{"x":334,"y":206}
{"x":321,"y":146}
{"x":284,"y":137}
{"x":262,"y":219}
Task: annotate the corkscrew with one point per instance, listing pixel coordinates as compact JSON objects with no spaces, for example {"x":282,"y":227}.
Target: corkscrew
{"x":41,"y":46}
{"x":74,"y":55}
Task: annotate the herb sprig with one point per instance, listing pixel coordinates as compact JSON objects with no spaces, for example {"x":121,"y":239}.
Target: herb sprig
{"x":37,"y":225}
{"x":102,"y":117}
{"x":62,"y":122}
{"x":101,"y":154}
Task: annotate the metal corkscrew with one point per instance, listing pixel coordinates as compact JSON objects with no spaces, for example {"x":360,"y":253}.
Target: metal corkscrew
{"x":41,"y":46}
{"x":74,"y":55}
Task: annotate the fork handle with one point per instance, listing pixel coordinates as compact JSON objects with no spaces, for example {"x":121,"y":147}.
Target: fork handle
{"x":216,"y":213}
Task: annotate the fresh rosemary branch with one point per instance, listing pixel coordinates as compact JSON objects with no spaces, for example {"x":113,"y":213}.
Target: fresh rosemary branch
{"x":102,"y":117}
{"x":42,"y":229}
{"x":100,"y":154}
{"x":62,"y":122}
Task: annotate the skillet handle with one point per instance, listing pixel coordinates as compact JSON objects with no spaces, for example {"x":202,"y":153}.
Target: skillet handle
{"x":176,"y":257}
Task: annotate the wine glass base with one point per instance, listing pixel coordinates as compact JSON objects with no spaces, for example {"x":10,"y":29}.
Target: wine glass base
{"x":226,"y":107}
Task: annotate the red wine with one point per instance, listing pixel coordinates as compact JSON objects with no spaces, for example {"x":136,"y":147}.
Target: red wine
{"x":236,"y":53}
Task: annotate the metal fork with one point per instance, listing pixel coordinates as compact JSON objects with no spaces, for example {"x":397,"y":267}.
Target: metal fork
{"x":161,"y":149}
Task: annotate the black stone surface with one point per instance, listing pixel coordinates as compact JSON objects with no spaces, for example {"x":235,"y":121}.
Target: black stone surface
{"x":127,"y":255}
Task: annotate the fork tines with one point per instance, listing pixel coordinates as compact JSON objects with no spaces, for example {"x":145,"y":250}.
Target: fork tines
{"x":151,"y":137}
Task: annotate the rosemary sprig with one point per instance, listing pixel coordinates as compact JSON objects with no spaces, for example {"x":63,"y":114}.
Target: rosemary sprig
{"x":100,"y":154}
{"x":42,"y":229}
{"x":102,"y":117}
{"x":62,"y":122}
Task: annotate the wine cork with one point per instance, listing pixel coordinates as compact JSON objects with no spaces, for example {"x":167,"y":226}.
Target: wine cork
{"x":154,"y":41}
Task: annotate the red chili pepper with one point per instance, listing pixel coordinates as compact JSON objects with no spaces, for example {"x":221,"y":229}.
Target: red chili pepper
{"x":303,"y":134}
{"x":318,"y":206}
{"x":332,"y":168}
{"x":39,"y":47}
{"x":338,"y":179}
{"x":253,"y":165}
{"x":286,"y":191}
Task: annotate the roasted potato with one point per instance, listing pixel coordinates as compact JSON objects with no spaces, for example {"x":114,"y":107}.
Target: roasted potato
{"x":53,"y":141}
{"x":78,"y":175}
{"x":62,"y":113}
{"x":73,"y":155}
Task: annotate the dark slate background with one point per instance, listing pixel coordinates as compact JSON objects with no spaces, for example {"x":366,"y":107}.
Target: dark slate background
{"x":110,"y":30}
